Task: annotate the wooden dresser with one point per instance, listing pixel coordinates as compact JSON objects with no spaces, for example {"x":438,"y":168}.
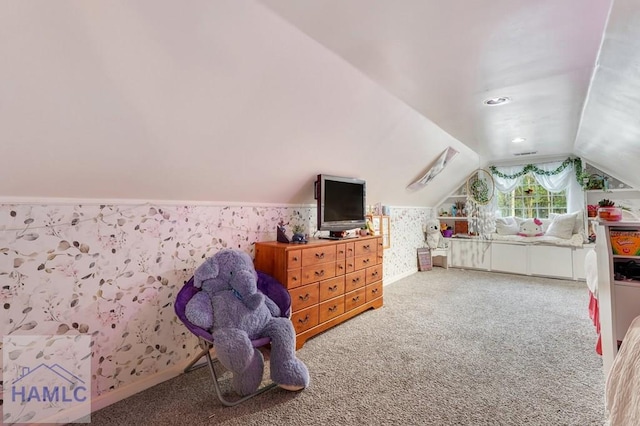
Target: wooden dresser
{"x":329,"y":281}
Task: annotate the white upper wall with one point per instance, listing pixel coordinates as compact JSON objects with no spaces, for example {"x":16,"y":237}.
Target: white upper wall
{"x":205,"y":100}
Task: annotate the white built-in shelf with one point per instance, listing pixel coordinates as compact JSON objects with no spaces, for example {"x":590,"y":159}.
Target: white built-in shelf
{"x":611,"y":190}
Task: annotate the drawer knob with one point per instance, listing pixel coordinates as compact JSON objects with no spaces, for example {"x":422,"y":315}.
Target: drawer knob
{"x":319,"y":273}
{"x":355,"y":299}
{"x":334,"y":288}
{"x":303,"y":321}
{"x":365,"y":261}
{"x":333,"y":308}
{"x":320,"y":255}
{"x":304,"y":298}
{"x":374,"y":274}
{"x":366,"y":247}
{"x":355,"y":280}
{"x":295,"y":258}
{"x":374,"y":291}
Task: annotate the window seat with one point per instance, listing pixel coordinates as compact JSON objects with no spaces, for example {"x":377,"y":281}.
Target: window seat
{"x":537,"y":256}
{"x":576,"y":240}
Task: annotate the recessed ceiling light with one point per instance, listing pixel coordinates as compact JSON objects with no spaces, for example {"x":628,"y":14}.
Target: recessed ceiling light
{"x":497,"y":101}
{"x":518,"y":140}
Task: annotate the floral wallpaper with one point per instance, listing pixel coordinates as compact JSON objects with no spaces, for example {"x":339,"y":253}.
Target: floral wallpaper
{"x":112,"y":272}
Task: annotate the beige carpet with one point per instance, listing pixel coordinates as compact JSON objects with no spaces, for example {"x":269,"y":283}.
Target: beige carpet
{"x":449,"y":347}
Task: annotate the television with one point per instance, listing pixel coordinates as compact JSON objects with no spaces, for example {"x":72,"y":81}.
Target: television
{"x":341,"y":204}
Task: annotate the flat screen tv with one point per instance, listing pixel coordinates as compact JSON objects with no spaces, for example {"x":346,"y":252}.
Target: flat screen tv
{"x":341,"y":204}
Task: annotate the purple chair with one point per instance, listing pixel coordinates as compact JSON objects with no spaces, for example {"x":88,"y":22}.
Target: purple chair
{"x":271,"y":288}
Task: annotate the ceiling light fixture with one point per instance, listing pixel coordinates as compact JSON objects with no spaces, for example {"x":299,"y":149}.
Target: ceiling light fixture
{"x":497,"y":101}
{"x":518,"y":140}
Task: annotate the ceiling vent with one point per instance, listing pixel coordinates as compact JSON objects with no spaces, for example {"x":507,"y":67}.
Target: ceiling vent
{"x":518,"y":154}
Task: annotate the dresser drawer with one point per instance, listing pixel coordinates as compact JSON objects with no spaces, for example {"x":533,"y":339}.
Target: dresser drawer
{"x":355,"y":280}
{"x":305,"y":296}
{"x":350,"y":264}
{"x":365,"y":261}
{"x":374,"y":273}
{"x":350,"y":249}
{"x":316,"y":255}
{"x":294,"y":259}
{"x":380,"y":245}
{"x":294,"y":278}
{"x":305,"y":319}
{"x":318,"y":272}
{"x":365,"y":247}
{"x":355,"y":298}
{"x":331,"y":288}
{"x":340,"y":267}
{"x":341,"y":251}
{"x":374,"y":291}
{"x":330,"y":309}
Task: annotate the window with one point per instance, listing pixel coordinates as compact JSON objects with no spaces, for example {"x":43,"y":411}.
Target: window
{"x":530,"y":199}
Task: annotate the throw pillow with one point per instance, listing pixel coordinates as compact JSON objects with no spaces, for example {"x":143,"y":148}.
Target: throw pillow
{"x":562,"y":226}
{"x":507,"y":226}
{"x":578,"y":225}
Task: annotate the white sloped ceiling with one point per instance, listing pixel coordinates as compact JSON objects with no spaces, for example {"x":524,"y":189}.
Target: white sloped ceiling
{"x":202,"y":101}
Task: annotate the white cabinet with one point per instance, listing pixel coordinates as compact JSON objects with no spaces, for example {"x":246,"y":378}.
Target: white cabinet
{"x":618,"y":290}
{"x":470,"y":253}
{"x":549,"y":261}
{"x":511,"y":258}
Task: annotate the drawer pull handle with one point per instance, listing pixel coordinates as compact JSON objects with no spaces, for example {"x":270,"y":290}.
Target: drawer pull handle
{"x":374,"y":274}
{"x":374,"y":291}
{"x":305,"y":320}
{"x":341,"y":252}
{"x":355,"y":280}
{"x":340,"y":267}
{"x":295,"y":258}
{"x":304,"y":298}
{"x":355,"y":299}
{"x":320,"y":255}
{"x":366,"y":247}
{"x":365,"y":261}
{"x":319,"y":273}
{"x":334,"y":288}
{"x":333,"y":308}
{"x":294,"y":278}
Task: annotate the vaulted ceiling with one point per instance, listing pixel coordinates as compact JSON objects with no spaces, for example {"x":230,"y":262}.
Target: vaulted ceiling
{"x":444,"y":58}
{"x":247,"y":100}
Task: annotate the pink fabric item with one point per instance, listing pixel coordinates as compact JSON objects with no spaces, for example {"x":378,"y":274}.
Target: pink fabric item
{"x":594,"y":314}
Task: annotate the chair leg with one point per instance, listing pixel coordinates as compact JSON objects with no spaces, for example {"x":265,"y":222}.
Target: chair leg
{"x":221,"y":397}
{"x":191,"y":366}
{"x":206,"y":352}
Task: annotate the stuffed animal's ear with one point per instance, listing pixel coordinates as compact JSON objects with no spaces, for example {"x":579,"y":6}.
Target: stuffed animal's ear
{"x":209,"y":269}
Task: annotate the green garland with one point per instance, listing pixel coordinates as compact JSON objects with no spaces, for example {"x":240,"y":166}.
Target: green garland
{"x":532,"y":168}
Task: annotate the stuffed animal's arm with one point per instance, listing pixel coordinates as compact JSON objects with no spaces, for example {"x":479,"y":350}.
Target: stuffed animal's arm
{"x":199,"y":310}
{"x":273,"y":308}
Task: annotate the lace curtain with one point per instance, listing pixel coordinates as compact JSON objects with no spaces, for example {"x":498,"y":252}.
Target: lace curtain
{"x":554,"y":177}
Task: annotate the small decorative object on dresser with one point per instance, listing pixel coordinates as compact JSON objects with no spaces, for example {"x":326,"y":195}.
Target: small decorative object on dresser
{"x":329,"y":281}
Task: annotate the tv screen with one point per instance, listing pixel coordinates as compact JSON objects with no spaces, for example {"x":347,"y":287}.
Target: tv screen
{"x":341,"y":203}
